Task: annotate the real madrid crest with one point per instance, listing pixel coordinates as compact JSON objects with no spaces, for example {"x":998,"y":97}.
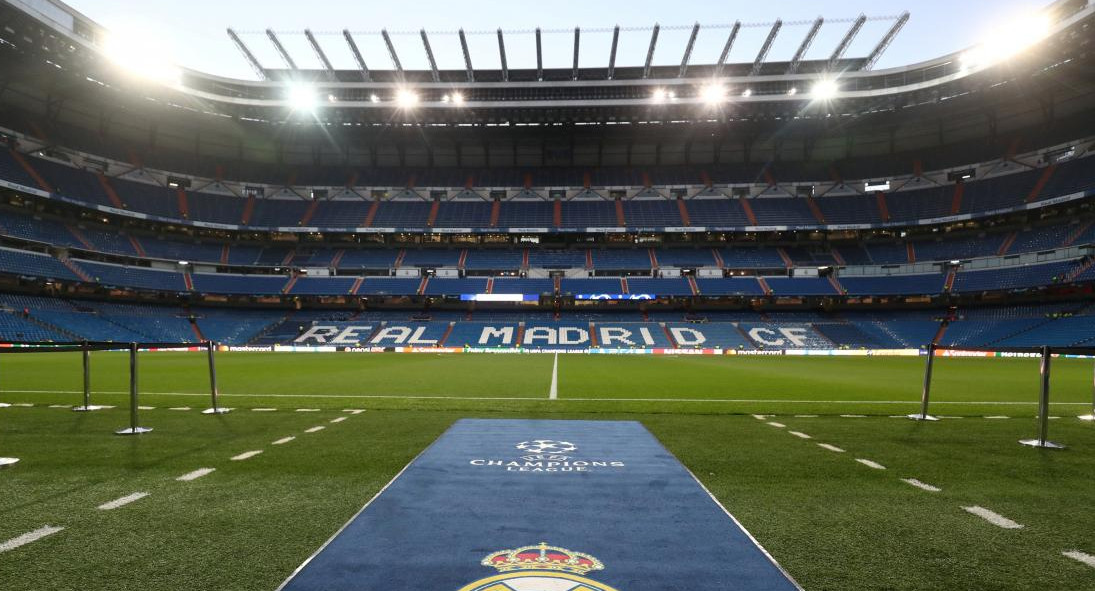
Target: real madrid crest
{"x":539,"y":568}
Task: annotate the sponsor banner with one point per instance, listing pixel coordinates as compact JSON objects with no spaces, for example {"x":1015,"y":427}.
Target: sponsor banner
{"x":758,"y":352}
{"x":305,"y":349}
{"x":172,"y":349}
{"x":615,"y":296}
{"x":959,"y":353}
{"x":688,"y":351}
{"x":539,"y":505}
{"x":245,"y":349}
{"x":854,"y":352}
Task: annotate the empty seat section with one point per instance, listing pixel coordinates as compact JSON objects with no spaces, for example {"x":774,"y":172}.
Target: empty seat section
{"x":278,"y":213}
{"x":402,"y":214}
{"x":782,"y":211}
{"x":805,"y":286}
{"x":659,"y":287}
{"x":157,"y":248}
{"x":622,"y":259}
{"x":340,"y":213}
{"x":463,"y":214}
{"x":685,"y":257}
{"x":557,"y":259}
{"x":389,"y":286}
{"x":1003,"y":278}
{"x":920,"y":203}
{"x":71,"y":182}
{"x":431,"y":258}
{"x":931,"y":283}
{"x":591,"y":286}
{"x":523,"y":286}
{"x":322,"y":285}
{"x":494,"y":260}
{"x":135,"y":277}
{"x":746,"y":257}
{"x":589,"y":214}
{"x":368,"y":259}
{"x":732,"y":286}
{"x":720,"y":335}
{"x":147,"y":198}
{"x":642,"y":213}
{"x":238,"y":284}
{"x":858,"y":209}
{"x":526,"y":214}
{"x":219,"y":209}
{"x":717,"y":212}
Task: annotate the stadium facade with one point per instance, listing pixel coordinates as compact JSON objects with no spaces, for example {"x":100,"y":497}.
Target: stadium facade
{"x":811,"y":204}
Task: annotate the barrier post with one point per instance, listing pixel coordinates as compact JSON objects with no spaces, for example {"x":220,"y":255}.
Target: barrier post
{"x":213,"y":389}
{"x":1043,"y":410}
{"x":1090,"y":417}
{"x":85,"y":351}
{"x":926,"y":392}
{"x":5,"y":405}
{"x":133,"y":428}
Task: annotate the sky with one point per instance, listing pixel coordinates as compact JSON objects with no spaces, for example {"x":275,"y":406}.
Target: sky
{"x":193,"y":32}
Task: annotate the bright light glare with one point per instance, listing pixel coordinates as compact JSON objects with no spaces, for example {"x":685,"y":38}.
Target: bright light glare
{"x":792,"y":92}
{"x":457,"y":98}
{"x":144,"y":55}
{"x":825,"y":90}
{"x":658,"y":95}
{"x":373,"y":98}
{"x":748,"y":92}
{"x":1007,"y":41}
{"x":406,"y":98}
{"x":302,"y":98}
{"x":713,"y":94}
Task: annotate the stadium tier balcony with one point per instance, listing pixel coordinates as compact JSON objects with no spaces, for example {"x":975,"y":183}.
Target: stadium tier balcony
{"x":621,"y":259}
{"x":751,"y":258}
{"x":557,"y":259}
{"x":368,"y":259}
{"x":147,"y":198}
{"x":219,"y":209}
{"x":322,"y":286}
{"x":340,"y":214}
{"x":651,"y":214}
{"x":74,"y":183}
{"x":733,"y":286}
{"x":920,"y":199}
{"x":659,"y":287}
{"x":589,"y":214}
{"x":18,"y":262}
{"x":717,"y":212}
{"x":590,"y":286}
{"x":523,"y":286}
{"x":926,"y":284}
{"x":494,"y":260}
{"x":430,"y":258}
{"x":436,"y":286}
{"x":686,"y":257}
{"x":1008,"y":278}
{"x":526,"y":214}
{"x":11,"y":170}
{"x":463,"y":214}
{"x":239,"y":284}
{"x":782,"y":211}
{"x":110,"y":275}
{"x":243,"y":254}
{"x":857,"y":209}
{"x":395,"y":286}
{"x":807,"y":286}
{"x":278,"y":213}
{"x":402,"y":214}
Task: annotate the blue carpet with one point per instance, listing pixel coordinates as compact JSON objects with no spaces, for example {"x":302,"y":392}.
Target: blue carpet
{"x":615,"y":509}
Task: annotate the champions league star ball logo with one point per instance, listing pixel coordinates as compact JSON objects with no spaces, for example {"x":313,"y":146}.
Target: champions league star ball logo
{"x":540,"y":568}
{"x":541,"y":447}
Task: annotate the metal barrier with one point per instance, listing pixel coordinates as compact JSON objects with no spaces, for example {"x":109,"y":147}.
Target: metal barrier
{"x":1045,"y":353}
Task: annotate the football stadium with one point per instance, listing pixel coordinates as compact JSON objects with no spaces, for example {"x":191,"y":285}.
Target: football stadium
{"x":623,"y":308}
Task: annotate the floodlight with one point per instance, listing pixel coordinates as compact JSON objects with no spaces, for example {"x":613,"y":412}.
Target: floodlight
{"x":457,"y":98}
{"x":143,"y":55}
{"x":748,"y":92}
{"x":713,"y":93}
{"x":792,"y":92}
{"x":445,"y":98}
{"x":406,"y":98}
{"x":825,"y":90}
{"x":658,"y":95}
{"x":301,"y":98}
{"x":373,"y":98}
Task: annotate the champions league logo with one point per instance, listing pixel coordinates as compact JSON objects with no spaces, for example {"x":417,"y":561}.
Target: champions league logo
{"x":540,"y":568}
{"x":547,"y":455}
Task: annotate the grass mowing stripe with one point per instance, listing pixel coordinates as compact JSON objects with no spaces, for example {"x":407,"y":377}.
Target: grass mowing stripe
{"x":1083,"y":557}
{"x":123,"y":501}
{"x":870,"y":464}
{"x":993,"y":517}
{"x":195,"y":474}
{"x":29,"y":537}
{"x":246,"y":455}
{"x":921,"y":485}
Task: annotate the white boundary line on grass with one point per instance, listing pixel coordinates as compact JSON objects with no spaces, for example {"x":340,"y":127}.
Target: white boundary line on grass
{"x":246,"y":455}
{"x":1083,"y":557}
{"x":553,"y":391}
{"x":284,"y":440}
{"x":123,"y":501}
{"x":577,"y":399}
{"x":993,"y":517}
{"x":921,"y":485}
{"x":29,"y":537}
{"x":196,"y":474}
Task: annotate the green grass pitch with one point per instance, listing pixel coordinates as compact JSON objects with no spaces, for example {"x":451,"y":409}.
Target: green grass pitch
{"x":833,"y":522}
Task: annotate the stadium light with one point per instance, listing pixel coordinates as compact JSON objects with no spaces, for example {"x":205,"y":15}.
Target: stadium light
{"x":748,"y":92}
{"x":659,"y":95}
{"x":824,"y":90}
{"x":373,"y":98}
{"x":793,"y":91}
{"x":713,"y":93}
{"x":144,"y":55}
{"x":302,"y":98}
{"x":406,"y":98}
{"x":457,"y":98}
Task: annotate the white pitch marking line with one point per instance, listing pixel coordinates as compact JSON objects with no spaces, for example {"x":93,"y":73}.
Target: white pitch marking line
{"x":315,"y":429}
{"x":1083,"y":557}
{"x":800,"y":434}
{"x":998,"y":417}
{"x":354,"y":411}
{"x":760,"y":417}
{"x":776,"y":425}
{"x":830,"y":447}
{"x":23,"y":404}
{"x":853,"y":416}
{"x":179,"y":408}
{"x":122,"y":501}
{"x":195,"y":474}
{"x":338,"y":419}
{"x":246,"y":455}
{"x":263,"y":409}
{"x":60,"y":406}
{"x":921,"y":485}
{"x":553,"y":391}
{"x":284,"y":440}
{"x":29,"y":537}
{"x":810,"y":416}
{"x":307,"y":410}
{"x":146,"y":408}
{"x":993,"y":517}
{"x":870,"y":464}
